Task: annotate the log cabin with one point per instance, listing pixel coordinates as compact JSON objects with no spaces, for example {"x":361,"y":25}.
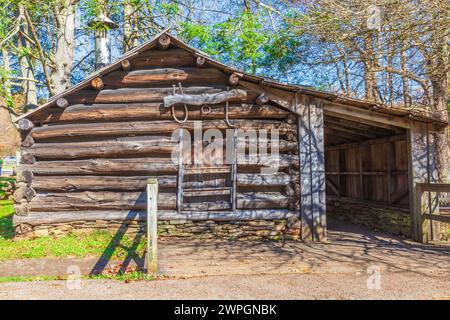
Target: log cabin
{"x":87,"y":153}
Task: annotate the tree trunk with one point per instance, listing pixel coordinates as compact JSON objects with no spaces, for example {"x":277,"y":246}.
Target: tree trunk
{"x":26,"y":67}
{"x":130,"y":39}
{"x":64,"y":54}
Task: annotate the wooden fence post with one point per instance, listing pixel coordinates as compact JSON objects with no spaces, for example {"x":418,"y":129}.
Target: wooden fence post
{"x":152,"y":226}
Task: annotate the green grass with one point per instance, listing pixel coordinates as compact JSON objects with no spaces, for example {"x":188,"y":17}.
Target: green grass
{"x":128,"y":277}
{"x":99,"y":243}
{"x":28,"y":278}
{"x":6,"y":212}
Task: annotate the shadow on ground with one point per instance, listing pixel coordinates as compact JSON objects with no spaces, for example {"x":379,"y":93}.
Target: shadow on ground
{"x":349,"y":249}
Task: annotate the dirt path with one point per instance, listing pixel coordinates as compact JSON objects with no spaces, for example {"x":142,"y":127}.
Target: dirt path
{"x":218,"y":269}
{"x":293,"y":286}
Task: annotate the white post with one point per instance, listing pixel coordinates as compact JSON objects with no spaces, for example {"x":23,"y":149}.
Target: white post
{"x":152,"y":226}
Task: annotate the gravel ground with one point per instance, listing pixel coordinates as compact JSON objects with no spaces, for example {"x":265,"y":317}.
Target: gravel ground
{"x":218,"y":269}
{"x":292,"y":286}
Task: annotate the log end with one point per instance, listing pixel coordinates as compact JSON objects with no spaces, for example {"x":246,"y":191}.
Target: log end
{"x":262,"y":99}
{"x":200,"y":61}
{"x":163,"y":42}
{"x":126,"y":65}
{"x":25,"y":124}
{"x":62,"y":103}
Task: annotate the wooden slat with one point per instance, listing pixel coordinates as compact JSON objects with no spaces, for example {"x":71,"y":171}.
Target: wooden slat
{"x":365,"y":116}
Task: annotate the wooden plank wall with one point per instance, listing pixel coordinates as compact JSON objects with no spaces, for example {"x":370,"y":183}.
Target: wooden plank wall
{"x":374,"y":170}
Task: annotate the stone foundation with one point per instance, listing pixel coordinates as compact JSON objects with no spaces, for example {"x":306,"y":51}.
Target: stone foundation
{"x":392,"y":220}
{"x":283,"y":229}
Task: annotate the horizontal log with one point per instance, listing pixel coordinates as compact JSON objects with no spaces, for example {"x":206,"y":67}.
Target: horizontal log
{"x":136,"y":166}
{"x":97,"y":183}
{"x":129,"y":95}
{"x":169,"y":58}
{"x":205,"y":98}
{"x":131,"y":183}
{"x":154,"y":111}
{"x":251,"y":179}
{"x":244,"y":200}
{"x":102,"y":167}
{"x":88,"y":200}
{"x":100,"y":149}
{"x":129,"y":215}
{"x":151,"y":127}
{"x":165,"y":76}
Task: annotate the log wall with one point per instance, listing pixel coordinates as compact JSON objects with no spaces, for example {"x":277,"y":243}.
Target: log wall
{"x":90,"y":154}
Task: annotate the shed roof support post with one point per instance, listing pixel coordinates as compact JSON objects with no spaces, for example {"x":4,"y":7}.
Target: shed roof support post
{"x":422,"y":169}
{"x":312,"y":170}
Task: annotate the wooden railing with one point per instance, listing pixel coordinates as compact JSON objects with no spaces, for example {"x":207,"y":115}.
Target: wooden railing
{"x":427,"y":214}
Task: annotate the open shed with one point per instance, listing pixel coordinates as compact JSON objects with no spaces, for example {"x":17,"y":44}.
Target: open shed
{"x":87,"y":153}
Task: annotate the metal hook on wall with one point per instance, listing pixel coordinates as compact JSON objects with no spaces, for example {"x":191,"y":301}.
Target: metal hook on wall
{"x":185,"y":107}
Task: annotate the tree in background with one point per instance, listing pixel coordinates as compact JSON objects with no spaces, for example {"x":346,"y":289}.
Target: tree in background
{"x":46,"y":46}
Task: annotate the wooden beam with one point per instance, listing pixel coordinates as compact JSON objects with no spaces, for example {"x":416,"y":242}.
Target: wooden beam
{"x":98,"y":149}
{"x":365,"y":116}
{"x":154,"y":111}
{"x":199,"y":100}
{"x":170,"y":58}
{"x":368,"y":142}
{"x":140,"y":215}
{"x":280,"y":97}
{"x":164,"y":76}
{"x":137,"y":95}
{"x":147,"y":127}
